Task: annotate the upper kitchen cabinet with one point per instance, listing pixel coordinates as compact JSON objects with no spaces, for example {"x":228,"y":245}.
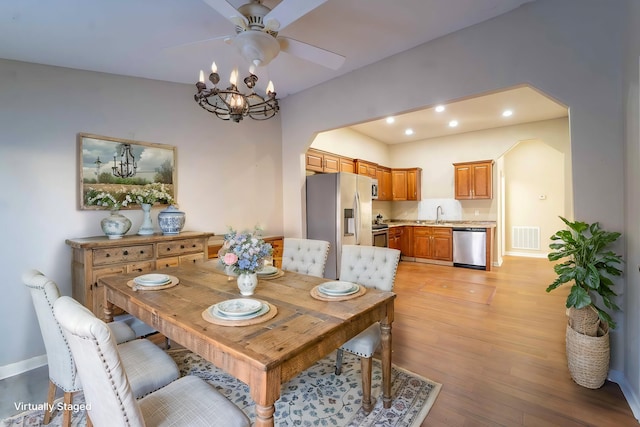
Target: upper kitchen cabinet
{"x":406,"y":184}
{"x":473,"y":180}
{"x":366,"y":168}
{"x":383,"y":175}
{"x":321,"y":161}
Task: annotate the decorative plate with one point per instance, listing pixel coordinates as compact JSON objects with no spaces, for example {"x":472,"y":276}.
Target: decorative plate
{"x":267,"y":270}
{"x":338,"y":288}
{"x":238,"y":307}
{"x":152,"y":280}
{"x":263,"y":309}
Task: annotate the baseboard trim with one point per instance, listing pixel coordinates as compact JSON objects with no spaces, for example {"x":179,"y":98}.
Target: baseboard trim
{"x":632,"y":399}
{"x":12,"y":369}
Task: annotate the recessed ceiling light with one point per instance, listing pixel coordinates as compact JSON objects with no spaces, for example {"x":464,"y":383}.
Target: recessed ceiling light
{"x":453,"y":123}
{"x":507,"y":113}
{"x":390,"y":120}
{"x":408,"y":131}
{"x":440,"y":108}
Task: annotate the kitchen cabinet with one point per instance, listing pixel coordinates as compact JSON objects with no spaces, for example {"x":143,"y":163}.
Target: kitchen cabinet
{"x":322,"y":161}
{"x":473,"y":180}
{"x":95,"y":257}
{"x":433,"y":243}
{"x":406,"y":241}
{"x":383,"y":175}
{"x":406,"y":184}
{"x":394,"y":237}
{"x":366,"y":168}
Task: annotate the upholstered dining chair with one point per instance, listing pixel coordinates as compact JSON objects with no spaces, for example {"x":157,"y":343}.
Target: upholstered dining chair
{"x":188,"y":401}
{"x":305,"y":256}
{"x":372,"y":267}
{"x":148,"y":366}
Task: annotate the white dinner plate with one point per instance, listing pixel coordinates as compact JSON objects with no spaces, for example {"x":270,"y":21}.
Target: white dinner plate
{"x":339,"y":288}
{"x":238,"y":307}
{"x":215,"y":312}
{"x":267,"y":270}
{"x":152,"y":280}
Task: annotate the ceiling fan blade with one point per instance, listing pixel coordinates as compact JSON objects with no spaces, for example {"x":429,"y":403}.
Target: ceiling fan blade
{"x":225,"y":9}
{"x":311,"y":53}
{"x":179,"y":46}
{"x":288,"y":11}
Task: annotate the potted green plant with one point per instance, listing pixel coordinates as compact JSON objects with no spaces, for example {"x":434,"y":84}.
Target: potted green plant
{"x":588,"y":266}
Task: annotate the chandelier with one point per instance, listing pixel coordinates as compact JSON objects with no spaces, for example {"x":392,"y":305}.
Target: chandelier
{"x":127,"y":167}
{"x":230,"y":103}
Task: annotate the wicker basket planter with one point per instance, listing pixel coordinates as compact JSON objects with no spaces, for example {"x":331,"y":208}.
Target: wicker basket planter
{"x":588,"y":356}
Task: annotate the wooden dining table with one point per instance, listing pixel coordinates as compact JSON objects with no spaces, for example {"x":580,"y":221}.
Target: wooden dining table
{"x":267,"y":353}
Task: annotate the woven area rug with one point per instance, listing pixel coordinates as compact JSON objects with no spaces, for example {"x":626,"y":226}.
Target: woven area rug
{"x":316,"y":397}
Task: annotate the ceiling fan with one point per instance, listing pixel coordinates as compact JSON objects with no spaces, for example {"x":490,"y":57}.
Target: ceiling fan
{"x":257,"y":28}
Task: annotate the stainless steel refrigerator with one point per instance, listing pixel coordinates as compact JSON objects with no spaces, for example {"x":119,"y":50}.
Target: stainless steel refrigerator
{"x":339,"y":211}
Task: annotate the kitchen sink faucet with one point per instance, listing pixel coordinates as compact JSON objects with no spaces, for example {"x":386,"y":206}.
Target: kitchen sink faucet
{"x":438,"y":213}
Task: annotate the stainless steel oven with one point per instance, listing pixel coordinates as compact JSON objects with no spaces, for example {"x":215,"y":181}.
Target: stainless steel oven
{"x":380,"y":235}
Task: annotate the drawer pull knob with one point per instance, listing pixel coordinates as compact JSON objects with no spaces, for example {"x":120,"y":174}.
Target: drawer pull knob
{"x":141,"y":252}
{"x":126,"y":252}
{"x":168,"y":249}
{"x":181,"y":246}
{"x":108,"y":255}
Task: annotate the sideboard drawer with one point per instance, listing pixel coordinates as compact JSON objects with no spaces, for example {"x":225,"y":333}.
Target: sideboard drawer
{"x":179,"y":247}
{"x":168,"y":262}
{"x":126,"y":254}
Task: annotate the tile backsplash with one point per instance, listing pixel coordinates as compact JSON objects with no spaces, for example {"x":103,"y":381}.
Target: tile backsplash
{"x":425,"y":210}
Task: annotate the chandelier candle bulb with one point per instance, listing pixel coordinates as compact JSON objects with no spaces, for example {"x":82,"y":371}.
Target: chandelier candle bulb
{"x":201,"y":80}
{"x":270,"y":88}
{"x":214,"y":67}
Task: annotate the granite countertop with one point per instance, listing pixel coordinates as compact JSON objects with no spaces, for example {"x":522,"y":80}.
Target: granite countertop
{"x":432,"y":223}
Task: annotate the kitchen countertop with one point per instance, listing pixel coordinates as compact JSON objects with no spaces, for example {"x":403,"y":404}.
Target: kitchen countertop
{"x":432,"y":223}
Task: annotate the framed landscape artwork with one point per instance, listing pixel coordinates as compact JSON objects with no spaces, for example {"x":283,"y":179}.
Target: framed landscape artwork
{"x":113,"y":164}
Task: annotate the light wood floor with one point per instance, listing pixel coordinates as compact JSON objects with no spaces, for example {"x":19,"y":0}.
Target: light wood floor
{"x":503,"y":363}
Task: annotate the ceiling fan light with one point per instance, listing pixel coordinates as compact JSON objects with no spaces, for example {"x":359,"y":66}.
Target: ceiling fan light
{"x":256,"y":47}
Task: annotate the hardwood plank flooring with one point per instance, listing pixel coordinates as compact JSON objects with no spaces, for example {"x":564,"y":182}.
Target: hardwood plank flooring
{"x":502,"y":363}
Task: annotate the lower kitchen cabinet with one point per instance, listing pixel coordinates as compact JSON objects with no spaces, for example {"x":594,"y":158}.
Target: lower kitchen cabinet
{"x":433,"y":243}
{"x":277,"y":243}
{"x":96,"y":257}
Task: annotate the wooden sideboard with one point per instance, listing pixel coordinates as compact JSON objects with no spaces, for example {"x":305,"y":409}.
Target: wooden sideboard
{"x":95,"y":257}
{"x":277,"y":242}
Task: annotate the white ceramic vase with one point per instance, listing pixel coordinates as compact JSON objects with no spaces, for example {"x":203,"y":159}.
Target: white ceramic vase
{"x":115,"y":225}
{"x":247,"y":283}
{"x":147,"y":225}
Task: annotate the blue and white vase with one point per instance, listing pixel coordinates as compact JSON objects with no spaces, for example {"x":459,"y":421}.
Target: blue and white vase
{"x":115,"y":225}
{"x":171,"y":220}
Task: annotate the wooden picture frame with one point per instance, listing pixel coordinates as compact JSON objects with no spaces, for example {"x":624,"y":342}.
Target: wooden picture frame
{"x":97,"y":156}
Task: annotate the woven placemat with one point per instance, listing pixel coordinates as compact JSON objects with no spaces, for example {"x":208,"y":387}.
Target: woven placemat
{"x":136,"y":287}
{"x":206,"y":315}
{"x":279,"y":273}
{"x":315,"y":293}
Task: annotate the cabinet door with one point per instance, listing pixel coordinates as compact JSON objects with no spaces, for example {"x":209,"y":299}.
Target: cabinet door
{"x":346,"y":165}
{"x":414,"y":177}
{"x":278,"y":247}
{"x":421,"y":242}
{"x":331,"y":163}
{"x":463,"y":175}
{"x":482,"y":181}
{"x":314,"y":161}
{"x":406,"y":241}
{"x":441,"y":244}
{"x":399,"y":184}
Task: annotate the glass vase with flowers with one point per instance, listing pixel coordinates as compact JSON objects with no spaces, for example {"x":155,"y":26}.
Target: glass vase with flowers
{"x":244,"y":254}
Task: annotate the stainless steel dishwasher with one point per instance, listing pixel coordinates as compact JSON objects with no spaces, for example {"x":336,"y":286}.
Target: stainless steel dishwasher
{"x":470,"y":247}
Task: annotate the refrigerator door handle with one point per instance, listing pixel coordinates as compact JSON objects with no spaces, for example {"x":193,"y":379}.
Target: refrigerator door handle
{"x":356,"y":212}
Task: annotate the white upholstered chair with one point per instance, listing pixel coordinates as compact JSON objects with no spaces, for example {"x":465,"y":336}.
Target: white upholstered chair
{"x":148,"y":366}
{"x":188,"y":401}
{"x":305,"y":256}
{"x":373,"y":267}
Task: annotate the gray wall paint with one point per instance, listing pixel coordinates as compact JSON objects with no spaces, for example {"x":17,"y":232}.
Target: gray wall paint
{"x":228,"y":174}
{"x":570,"y":49}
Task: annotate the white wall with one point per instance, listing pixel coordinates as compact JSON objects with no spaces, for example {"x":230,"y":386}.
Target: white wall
{"x":349,"y":143}
{"x":228,"y":174}
{"x":572,"y":50}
